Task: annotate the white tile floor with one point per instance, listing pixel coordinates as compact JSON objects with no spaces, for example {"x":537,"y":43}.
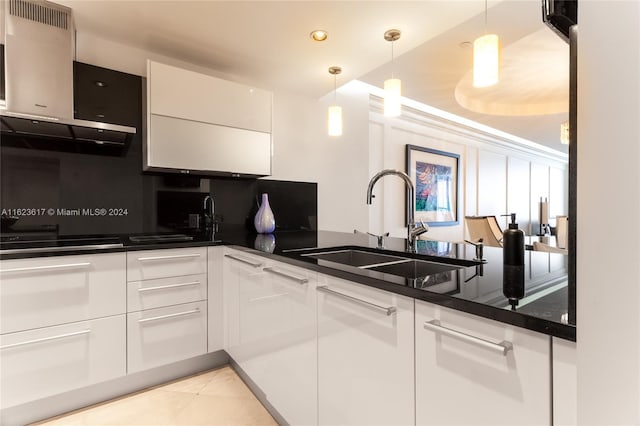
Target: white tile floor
{"x":216,"y":397}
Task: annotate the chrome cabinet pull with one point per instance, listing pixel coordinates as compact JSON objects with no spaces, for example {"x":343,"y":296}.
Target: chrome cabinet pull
{"x":502,"y":348}
{"x":275,"y":271}
{"x":47,"y":267}
{"x":387,"y":310}
{"x":271,"y":296}
{"x":174,"y":256}
{"x":179,"y":314}
{"x":243,"y":260}
{"x":45,"y":339}
{"x":162,"y":287}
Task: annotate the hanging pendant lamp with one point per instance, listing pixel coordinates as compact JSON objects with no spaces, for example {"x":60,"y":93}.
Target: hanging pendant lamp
{"x":392,"y":86}
{"x":486,"y":57}
{"x":334,"y":118}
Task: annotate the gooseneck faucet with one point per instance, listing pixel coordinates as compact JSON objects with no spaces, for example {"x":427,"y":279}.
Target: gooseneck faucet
{"x":413,"y":230}
{"x":208,"y":213}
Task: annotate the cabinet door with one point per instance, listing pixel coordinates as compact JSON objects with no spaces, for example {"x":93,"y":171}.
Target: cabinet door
{"x":271,"y":320}
{"x":565,"y":383}
{"x":471,"y":370}
{"x":243,"y":281}
{"x":47,"y":361}
{"x":108,"y":96}
{"x":365,"y":355}
{"x":215,"y":301}
{"x":189,"y":95}
{"x":164,"y":335}
{"x":45,"y":291}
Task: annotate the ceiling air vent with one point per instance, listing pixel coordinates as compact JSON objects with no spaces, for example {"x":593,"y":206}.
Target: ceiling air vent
{"x":39,"y":13}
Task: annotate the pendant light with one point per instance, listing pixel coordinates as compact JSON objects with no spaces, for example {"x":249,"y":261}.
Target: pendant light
{"x":486,"y":57}
{"x":335,"y":111}
{"x":392,"y":86}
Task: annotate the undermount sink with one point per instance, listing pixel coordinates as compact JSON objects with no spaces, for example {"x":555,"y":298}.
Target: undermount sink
{"x":398,"y":265}
{"x":356,"y":258}
{"x":414,"y":268}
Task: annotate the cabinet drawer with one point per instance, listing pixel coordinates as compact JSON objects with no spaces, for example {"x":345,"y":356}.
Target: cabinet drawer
{"x":161,"y":292}
{"x":161,"y":336}
{"x":41,"y":292}
{"x":47,"y":361}
{"x":151,"y":264}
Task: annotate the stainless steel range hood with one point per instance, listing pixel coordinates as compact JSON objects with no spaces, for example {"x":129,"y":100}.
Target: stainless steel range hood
{"x":39,"y":53}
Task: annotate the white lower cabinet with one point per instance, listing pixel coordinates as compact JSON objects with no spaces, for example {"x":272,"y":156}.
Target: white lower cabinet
{"x":46,"y":361}
{"x":164,"y":335}
{"x":565,"y":383}
{"x":271,"y":331}
{"x":464,"y":375}
{"x":365,"y":355}
{"x":215,"y":299}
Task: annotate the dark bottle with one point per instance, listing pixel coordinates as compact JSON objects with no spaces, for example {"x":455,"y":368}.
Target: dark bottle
{"x":513,"y":263}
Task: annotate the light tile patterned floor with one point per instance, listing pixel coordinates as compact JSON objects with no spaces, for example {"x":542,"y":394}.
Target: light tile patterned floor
{"x":216,"y":397}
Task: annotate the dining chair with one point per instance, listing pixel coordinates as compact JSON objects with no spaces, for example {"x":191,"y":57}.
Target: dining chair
{"x":538,"y":246}
{"x":562,"y":231}
{"x":485,"y":227}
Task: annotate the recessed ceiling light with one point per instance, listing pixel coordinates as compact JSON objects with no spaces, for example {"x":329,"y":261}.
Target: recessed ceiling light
{"x":318,"y":35}
{"x":466,"y":44}
{"x":100,"y":83}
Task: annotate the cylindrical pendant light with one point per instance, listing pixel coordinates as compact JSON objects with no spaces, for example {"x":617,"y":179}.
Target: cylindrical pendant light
{"x":486,"y":57}
{"x":392,"y":86}
{"x":334,"y":114}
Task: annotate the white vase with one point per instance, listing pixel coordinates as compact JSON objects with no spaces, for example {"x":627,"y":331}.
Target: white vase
{"x":264,"y":221}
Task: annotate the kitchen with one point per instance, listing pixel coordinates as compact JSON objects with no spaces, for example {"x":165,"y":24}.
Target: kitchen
{"x":293,"y":123}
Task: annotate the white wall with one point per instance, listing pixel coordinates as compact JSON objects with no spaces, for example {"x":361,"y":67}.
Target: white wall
{"x":608,"y":234}
{"x":497,"y":175}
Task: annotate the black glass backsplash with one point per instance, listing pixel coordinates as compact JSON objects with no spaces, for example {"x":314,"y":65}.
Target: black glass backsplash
{"x":77,"y":193}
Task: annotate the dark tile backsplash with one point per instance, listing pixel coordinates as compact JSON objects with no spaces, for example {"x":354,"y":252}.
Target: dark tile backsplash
{"x":78,"y":193}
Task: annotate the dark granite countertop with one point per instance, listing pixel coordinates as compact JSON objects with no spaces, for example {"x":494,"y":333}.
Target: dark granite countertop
{"x":471,"y":287}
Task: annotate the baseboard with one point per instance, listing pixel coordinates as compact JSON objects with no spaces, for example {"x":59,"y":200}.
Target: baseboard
{"x":63,"y":403}
{"x":259,"y":394}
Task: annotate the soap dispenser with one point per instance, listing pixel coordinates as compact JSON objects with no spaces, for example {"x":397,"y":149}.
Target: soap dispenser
{"x":513,"y":262}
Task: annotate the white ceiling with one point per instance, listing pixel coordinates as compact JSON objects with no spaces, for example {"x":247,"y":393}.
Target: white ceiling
{"x":268,"y":43}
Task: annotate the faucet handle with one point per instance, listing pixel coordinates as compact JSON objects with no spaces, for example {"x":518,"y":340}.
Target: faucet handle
{"x":379,"y":237}
{"x":479,"y":250}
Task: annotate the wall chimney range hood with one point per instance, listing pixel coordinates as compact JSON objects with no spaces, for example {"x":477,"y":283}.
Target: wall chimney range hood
{"x":39,"y":53}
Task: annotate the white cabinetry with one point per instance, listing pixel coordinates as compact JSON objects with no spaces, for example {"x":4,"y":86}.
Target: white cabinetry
{"x":565,"y":383}
{"x":203,"y":123}
{"x":167,"y":315}
{"x":43,"y":291}
{"x":215,"y":301}
{"x":62,"y":323}
{"x":271,"y":331}
{"x":466,"y":373}
{"x":365,"y":355}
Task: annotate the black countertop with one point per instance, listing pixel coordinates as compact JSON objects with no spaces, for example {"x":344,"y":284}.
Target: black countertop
{"x":471,"y":287}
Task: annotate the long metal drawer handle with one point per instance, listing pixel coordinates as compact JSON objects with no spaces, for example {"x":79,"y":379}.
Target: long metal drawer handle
{"x":162,"y":287}
{"x":502,"y":348}
{"x":243,"y":260}
{"x":179,"y":314}
{"x":271,"y":296}
{"x":48,"y":267}
{"x":275,"y":271}
{"x":175,"y":256}
{"x":387,"y":310}
{"x":45,"y":339}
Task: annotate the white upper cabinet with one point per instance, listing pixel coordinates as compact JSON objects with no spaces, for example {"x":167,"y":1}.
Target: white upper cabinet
{"x":201,"y":124}
{"x":180,"y":93}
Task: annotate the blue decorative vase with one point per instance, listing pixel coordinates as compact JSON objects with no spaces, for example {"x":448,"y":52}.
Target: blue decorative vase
{"x":264,"y":221}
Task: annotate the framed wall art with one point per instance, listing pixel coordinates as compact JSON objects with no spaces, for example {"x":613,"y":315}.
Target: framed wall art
{"x":435,"y":175}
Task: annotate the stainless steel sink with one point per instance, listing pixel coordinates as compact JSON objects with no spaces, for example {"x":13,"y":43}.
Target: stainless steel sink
{"x":357,"y":258}
{"x":414,"y":268}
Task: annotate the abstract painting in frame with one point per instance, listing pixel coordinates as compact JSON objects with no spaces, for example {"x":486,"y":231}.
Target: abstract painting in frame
{"x":435,"y":175}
